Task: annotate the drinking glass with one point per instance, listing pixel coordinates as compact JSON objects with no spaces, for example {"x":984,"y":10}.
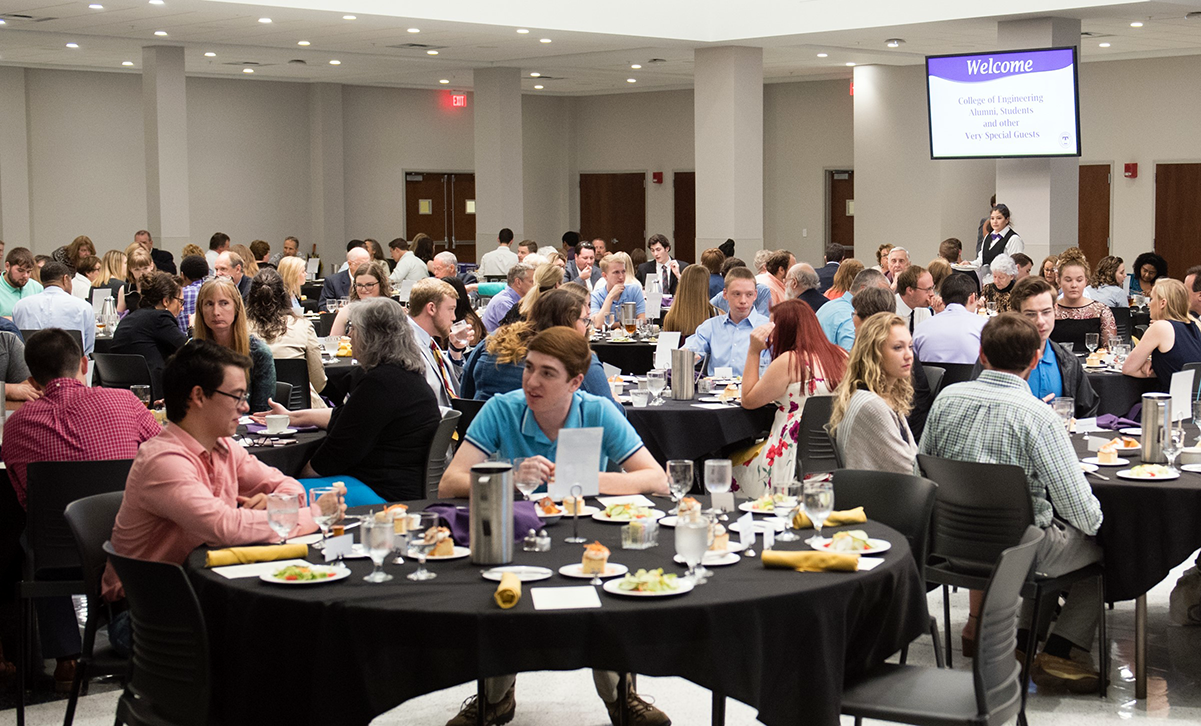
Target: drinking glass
{"x":629,"y":320}
{"x":400,"y":536}
{"x":331,"y":304}
{"x":656,"y":381}
{"x":377,"y":540}
{"x":526,"y":482}
{"x":679,"y":481}
{"x":330,"y":343}
{"x":283,"y":512}
{"x":418,"y":526}
{"x":1091,"y":341}
{"x":692,"y":539}
{"x":143,"y":394}
{"x":818,"y":501}
{"x":1197,"y":416}
{"x":992,"y":307}
{"x":1172,"y":444}
{"x":719,"y":473}
{"x":786,"y":495}
{"x":1065,"y":408}
{"x":324,"y":501}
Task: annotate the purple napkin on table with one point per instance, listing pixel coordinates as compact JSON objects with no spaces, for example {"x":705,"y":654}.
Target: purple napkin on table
{"x":458,"y":520}
{"x":254,"y":428}
{"x":1113,"y":423}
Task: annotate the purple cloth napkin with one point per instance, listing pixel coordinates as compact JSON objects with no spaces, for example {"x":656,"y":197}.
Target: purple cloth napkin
{"x":254,"y":428}
{"x":1113,"y":423}
{"x":458,"y":520}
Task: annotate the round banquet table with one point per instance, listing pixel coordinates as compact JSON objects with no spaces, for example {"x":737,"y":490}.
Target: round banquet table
{"x":682,"y":430}
{"x":635,"y":358}
{"x":289,"y":458}
{"x":337,"y":378}
{"x":347,"y":651}
{"x":1118,"y":392}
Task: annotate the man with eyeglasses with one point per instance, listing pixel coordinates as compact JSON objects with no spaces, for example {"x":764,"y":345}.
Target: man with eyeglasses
{"x":192,"y":484}
{"x":915,"y":288}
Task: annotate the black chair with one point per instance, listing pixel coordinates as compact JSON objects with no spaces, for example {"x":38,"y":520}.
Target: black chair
{"x":121,"y":370}
{"x":1071,"y":332}
{"x":934,"y":377}
{"x":1140,"y":330}
{"x":816,"y":452}
{"x":989,"y":694}
{"x":435,"y":462}
{"x":1121,"y":317}
{"x":91,"y":521}
{"x":52,"y":564}
{"x":901,"y":501}
{"x":1196,"y":369}
{"x":469,"y":407}
{"x":952,"y":372}
{"x":296,"y":372}
{"x":980,"y":510}
{"x":323,"y":324}
{"x":283,"y":393}
{"x":170,"y":682}
{"x":77,"y":335}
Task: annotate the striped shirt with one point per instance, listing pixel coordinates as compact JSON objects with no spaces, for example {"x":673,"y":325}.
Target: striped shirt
{"x":995,"y":419}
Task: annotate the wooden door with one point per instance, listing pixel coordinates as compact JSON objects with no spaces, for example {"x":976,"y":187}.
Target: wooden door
{"x":462,"y":216}
{"x":683,"y":244}
{"x":425,"y":205}
{"x":613,"y":207}
{"x":840,"y":227}
{"x":1093,"y":237}
{"x":1178,"y":216}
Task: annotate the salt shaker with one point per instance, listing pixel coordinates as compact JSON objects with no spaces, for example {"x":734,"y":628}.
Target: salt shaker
{"x":543,"y":541}
{"x":530,"y":543}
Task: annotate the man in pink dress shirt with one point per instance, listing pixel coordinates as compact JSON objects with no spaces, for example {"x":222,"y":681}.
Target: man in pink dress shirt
{"x":192,"y":485}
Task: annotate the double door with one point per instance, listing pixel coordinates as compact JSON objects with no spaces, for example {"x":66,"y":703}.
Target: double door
{"x":442,"y":205}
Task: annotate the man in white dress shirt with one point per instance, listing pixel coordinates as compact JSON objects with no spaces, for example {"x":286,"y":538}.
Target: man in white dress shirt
{"x":952,"y":336}
{"x":56,"y":307}
{"x":497,"y":262}
{"x":408,"y":265}
{"x":915,"y":287}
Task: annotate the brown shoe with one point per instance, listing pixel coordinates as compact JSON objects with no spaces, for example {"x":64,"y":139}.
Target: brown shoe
{"x":642,"y":713}
{"x":1052,"y":671}
{"x":497,"y":713}
{"x":64,"y":676}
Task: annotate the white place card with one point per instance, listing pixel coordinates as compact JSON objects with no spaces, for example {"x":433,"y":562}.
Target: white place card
{"x":406,"y":288}
{"x":870,"y":563}
{"x":746,"y":530}
{"x":1182,"y":394}
{"x":723,"y":501}
{"x":254,"y":569}
{"x":654,"y":304}
{"x":565,"y":598}
{"x":307,"y":539}
{"x":335,"y":546}
{"x":580,"y":467}
{"x":636,"y":499}
{"x":313,"y":267}
{"x":711,"y":406}
{"x":1094,"y":443}
{"x":1088,"y":426}
{"x":610,"y":370}
{"x":769,"y":538}
{"x":723,"y":372}
{"x":667,"y":343}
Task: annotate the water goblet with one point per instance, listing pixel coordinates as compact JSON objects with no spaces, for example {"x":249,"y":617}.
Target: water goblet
{"x":786,"y":496}
{"x":421,"y":540}
{"x":679,"y":481}
{"x":818,"y":502}
{"x":1172,"y":444}
{"x":377,"y":540}
{"x":1197,"y":416}
{"x":331,"y":304}
{"x":719,"y":474}
{"x":1091,"y":341}
{"x":1065,"y":408}
{"x":324,"y":501}
{"x":656,"y":381}
{"x":283,"y":512}
{"x":692,"y":539}
{"x":525,"y":478}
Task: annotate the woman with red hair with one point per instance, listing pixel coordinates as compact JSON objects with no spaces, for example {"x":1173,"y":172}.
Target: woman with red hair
{"x":804,"y":363}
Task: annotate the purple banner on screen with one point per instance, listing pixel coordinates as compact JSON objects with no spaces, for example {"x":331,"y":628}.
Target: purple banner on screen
{"x":991,"y":66}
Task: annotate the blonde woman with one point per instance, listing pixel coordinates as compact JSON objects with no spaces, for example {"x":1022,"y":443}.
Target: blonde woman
{"x":139,"y":265}
{"x":221,"y":318}
{"x":843,"y":278}
{"x":293,"y":273}
{"x":868,"y":421}
{"x":190,"y":249}
{"x":690,"y":307}
{"x":250,"y":268}
{"x":1172,"y":339}
{"x":370,"y":280}
{"x":112,"y":275}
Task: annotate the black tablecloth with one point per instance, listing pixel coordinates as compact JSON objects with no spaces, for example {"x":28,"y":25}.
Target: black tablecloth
{"x":633,"y":358}
{"x":1149,"y":526}
{"x":337,"y":379}
{"x":345,"y":652}
{"x":1118,"y":392}
{"x":680,"y":430}
{"x":290,"y":458}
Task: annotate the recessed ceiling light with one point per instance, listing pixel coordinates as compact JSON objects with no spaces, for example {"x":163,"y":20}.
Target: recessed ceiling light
{"x":894,"y":42}
{"x":96,"y":6}
{"x":349,"y":17}
{"x":431,"y":52}
{"x":523,"y":31}
{"x":157,"y":2}
{"x":414,"y":30}
{"x":535,"y":74}
{"x":823,"y":55}
{"x":126,"y":63}
{"x":1136,"y":24}
{"x":1,"y":21}
{"x":72,"y":45}
{"x":444,"y":81}
{"x":160,"y":33}
{"x":248,"y":70}
{"x":264,"y":20}
{"x":850,"y":65}
{"x":210,"y":54}
{"x":544,"y":40}
{"x":302,"y":42}
{"x":631,"y":80}
{"x":636,"y":66}
{"x":538,"y":88}
{"x":335,"y":63}
{"x":1103,"y":45}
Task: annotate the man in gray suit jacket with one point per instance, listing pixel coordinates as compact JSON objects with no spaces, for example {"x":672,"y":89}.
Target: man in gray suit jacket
{"x":583,"y":268}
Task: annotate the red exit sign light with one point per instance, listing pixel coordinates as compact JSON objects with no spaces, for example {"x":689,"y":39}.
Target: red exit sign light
{"x":458,"y":100}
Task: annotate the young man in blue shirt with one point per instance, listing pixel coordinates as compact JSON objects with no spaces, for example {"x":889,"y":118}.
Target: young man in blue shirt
{"x":608,"y":298}
{"x":725,"y":338}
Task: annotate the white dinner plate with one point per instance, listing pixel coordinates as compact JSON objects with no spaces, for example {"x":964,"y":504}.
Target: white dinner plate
{"x":339,"y":574}
{"x":525,"y":573}
{"x":761,"y":525}
{"x":460,"y":553}
{"x":1129,"y":474}
{"x":874,"y":546}
{"x":549,"y":518}
{"x":1131,"y":431}
{"x":1090,"y":468}
{"x":682,"y":586}
{"x":612,"y":569}
{"x":585,"y":511}
{"x":600,"y":516}
{"x":1093,"y":460}
{"x":714,"y":559}
{"x":285,"y":432}
{"x":1194,"y":468}
{"x":717,"y":399}
{"x":748,"y":507}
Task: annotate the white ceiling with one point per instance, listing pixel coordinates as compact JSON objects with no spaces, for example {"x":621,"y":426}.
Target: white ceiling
{"x":587,"y":54}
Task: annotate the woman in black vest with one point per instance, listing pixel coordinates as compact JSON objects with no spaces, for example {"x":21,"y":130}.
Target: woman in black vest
{"x":1002,"y":240}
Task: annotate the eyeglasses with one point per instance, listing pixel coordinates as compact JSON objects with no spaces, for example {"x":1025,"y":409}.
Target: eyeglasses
{"x":926,"y":289}
{"x":366,"y":285}
{"x":179,"y":300}
{"x":241,"y":397}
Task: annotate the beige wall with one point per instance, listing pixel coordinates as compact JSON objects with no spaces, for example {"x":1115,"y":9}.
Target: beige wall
{"x":546,"y":140}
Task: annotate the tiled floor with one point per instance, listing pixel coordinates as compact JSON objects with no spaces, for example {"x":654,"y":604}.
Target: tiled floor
{"x":555,"y":698}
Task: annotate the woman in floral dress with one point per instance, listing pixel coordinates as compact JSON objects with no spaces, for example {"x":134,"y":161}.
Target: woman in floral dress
{"x":804,"y":363}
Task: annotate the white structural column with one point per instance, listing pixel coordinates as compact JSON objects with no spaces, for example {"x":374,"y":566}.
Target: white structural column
{"x":1043,"y":195}
{"x":498,"y":155}
{"x":327,"y":182}
{"x":15,"y":227}
{"x":165,"y":114}
{"x":729,"y":148}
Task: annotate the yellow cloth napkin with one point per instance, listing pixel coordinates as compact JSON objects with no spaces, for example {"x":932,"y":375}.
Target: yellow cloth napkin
{"x":508,"y":592}
{"x":836,"y":519}
{"x":246,"y":555}
{"x":811,"y":561}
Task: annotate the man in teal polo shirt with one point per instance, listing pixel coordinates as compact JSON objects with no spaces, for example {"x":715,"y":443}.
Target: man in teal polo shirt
{"x":17,"y":281}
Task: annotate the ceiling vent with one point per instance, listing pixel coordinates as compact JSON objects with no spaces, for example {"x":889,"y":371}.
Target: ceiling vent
{"x":249,"y":64}
{"x":24,"y":17}
{"x":297,"y":62}
{"x":417,"y":46}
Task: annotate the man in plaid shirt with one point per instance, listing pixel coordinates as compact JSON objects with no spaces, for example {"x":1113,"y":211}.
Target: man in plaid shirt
{"x":995,"y":419}
{"x":193,"y":271}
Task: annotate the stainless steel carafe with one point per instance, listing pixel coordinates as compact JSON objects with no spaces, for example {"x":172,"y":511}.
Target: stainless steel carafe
{"x":491,"y":514}
{"x":1157,"y":420}
{"x":683,"y":382}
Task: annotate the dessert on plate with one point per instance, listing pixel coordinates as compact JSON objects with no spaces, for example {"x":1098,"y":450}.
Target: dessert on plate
{"x":444,"y":546}
{"x":596,"y":556}
{"x":573,"y":505}
{"x":721,"y":538}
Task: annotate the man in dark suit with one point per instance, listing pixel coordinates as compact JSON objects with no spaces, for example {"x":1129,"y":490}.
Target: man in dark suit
{"x":583,"y":268}
{"x":661,"y":264}
{"x":337,"y":285}
{"x":163,"y":259}
{"x":801,"y":283}
{"x":834,"y":255}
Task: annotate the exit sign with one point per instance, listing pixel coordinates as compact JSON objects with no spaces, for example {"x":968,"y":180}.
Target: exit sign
{"x":458,"y":100}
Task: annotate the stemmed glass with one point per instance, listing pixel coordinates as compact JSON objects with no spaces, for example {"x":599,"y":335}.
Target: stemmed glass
{"x":679,"y":481}
{"x":400,"y":535}
{"x":818,"y":502}
{"x":656,"y":380}
{"x":331,"y":304}
{"x":692,"y":539}
{"x":1091,"y":341}
{"x":377,"y":540}
{"x":992,"y":307}
{"x":324,"y":501}
{"x":1172,"y":445}
{"x":418,"y":527}
{"x":283,"y":512}
{"x":1197,"y":416}
{"x":525,"y":481}
{"x":719,"y":474}
{"x":786,"y":495}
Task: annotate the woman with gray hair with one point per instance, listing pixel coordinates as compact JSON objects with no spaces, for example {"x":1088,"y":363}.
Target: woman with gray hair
{"x":381,"y":436}
{"x":1004,"y":274}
